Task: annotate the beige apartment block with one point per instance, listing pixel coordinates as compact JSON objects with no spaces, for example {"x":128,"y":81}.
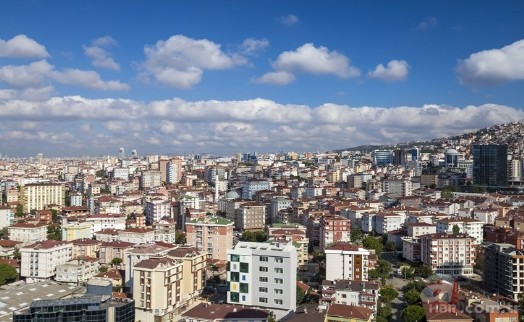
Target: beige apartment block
{"x":37,"y":196}
{"x":213,"y":235}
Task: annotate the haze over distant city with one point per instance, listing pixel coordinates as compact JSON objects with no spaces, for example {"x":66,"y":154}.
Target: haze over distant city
{"x":174,"y":77}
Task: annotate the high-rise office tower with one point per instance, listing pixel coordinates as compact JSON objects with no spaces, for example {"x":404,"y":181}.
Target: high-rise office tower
{"x":121,"y":152}
{"x":490,"y":165}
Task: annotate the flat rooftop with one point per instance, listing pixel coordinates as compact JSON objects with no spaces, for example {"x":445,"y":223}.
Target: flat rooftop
{"x":19,"y":295}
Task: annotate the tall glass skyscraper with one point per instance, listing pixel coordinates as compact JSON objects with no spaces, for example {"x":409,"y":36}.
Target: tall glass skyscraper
{"x":490,"y":165}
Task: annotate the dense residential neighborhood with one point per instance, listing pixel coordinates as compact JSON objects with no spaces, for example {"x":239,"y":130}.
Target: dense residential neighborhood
{"x":421,"y":230}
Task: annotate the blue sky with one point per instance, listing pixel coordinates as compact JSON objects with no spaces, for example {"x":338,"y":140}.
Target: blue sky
{"x":174,"y":77}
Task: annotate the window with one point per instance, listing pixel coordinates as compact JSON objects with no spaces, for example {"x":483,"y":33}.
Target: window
{"x":279,"y":291}
{"x":244,"y":287}
{"x":262,"y":279}
{"x":262,"y":289}
{"x":244,"y":267}
{"x":279,"y":281}
{"x":278,"y":301}
{"x":235,"y":258}
{"x":263,"y":258}
{"x":279,"y":270}
{"x":279,"y":260}
{"x":263,"y":269}
{"x":262,"y":299}
{"x":233,"y":297}
{"x":234,"y":276}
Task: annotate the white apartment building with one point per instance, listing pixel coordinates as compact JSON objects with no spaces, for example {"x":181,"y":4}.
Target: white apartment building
{"x":27,"y":233}
{"x":156,"y":209}
{"x":471,"y":227}
{"x":150,"y":179}
{"x":418,"y":229}
{"x":486,"y":215}
{"x":347,"y":292}
{"x":137,"y":235}
{"x":448,"y":254}
{"x":346,"y":261}
{"x":263,"y":275}
{"x":402,"y":187}
{"x":39,"y":261}
{"x":251,"y":186}
{"x":165,"y":231}
{"x":411,"y":249}
{"x":38,"y":196}
{"x":7,"y":216}
{"x":101,"y":221}
{"x":386,"y":222}
{"x":77,"y":271}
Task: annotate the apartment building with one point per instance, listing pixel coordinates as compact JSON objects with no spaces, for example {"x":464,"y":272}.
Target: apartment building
{"x":39,"y":261}
{"x":7,"y":216}
{"x":504,"y":270}
{"x":77,"y":270}
{"x":213,"y":235}
{"x":110,"y":250}
{"x":76,"y":230}
{"x":250,"y":216}
{"x":105,"y":221}
{"x":252,"y":186}
{"x":418,"y":229}
{"x":150,"y":179}
{"x":86,"y":248}
{"x":348,"y":292}
{"x":263,"y":275}
{"x":386,"y":222}
{"x":156,"y":209}
{"x":401,"y":187}
{"x":280,"y":233}
{"x":346,"y":261}
{"x":450,"y":254}
{"x":156,"y":289}
{"x":469,"y":226}
{"x":137,"y":253}
{"x":37,"y":196}
{"x":137,"y":235}
{"x":165,"y":230}
{"x":334,"y":229}
{"x":193,"y":273}
{"x":27,"y":233}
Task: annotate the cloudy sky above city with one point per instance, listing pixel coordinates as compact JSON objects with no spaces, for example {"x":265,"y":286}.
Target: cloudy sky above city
{"x":176,"y":77}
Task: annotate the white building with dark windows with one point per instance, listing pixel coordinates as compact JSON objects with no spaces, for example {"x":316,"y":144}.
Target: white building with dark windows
{"x":156,"y":209}
{"x":263,"y":275}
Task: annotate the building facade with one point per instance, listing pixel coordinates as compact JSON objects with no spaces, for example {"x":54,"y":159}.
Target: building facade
{"x":490,"y":165}
{"x":346,"y":261}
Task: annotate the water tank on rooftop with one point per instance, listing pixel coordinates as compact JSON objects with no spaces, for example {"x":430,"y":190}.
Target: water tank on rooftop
{"x":451,"y":157}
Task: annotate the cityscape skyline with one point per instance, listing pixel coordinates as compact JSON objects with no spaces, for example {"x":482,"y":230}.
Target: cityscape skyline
{"x":227,"y":77}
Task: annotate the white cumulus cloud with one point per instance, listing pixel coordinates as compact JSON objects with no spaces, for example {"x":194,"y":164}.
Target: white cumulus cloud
{"x":395,"y":70}
{"x":180,"y":61}
{"x":22,"y":46}
{"x":493,"y":66}
{"x":308,"y":59}
{"x":97,"y":51}
{"x":225,"y":127}
{"x":427,"y":23}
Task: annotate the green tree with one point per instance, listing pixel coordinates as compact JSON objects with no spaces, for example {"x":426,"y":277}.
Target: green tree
{"x":417,"y":285}
{"x":301,"y":295}
{"x":102,"y":269}
{"x":390,"y":246}
{"x":54,"y":215}
{"x":19,"y":211}
{"x":4,"y":233}
{"x":101,"y":173}
{"x":180,"y":238}
{"x":456,"y":229}
{"x":383,"y":268}
{"x":116,"y":261}
{"x":424,"y":271}
{"x":381,"y":319}
{"x":373,"y":274}
{"x":412,"y":296}
{"x":373,"y":243}
{"x":356,"y":235}
{"x":16,"y":253}
{"x":54,"y":232}
{"x":413,"y":313}
{"x":388,"y":294}
{"x":407,"y":272}
{"x":8,"y":274}
{"x":384,"y":310}
{"x":447,"y":192}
